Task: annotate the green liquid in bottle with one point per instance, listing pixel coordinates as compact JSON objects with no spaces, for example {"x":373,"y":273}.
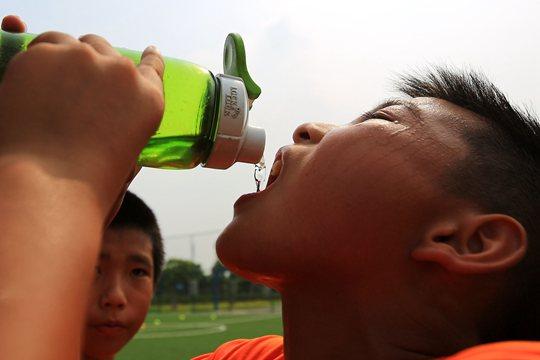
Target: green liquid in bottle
{"x":188,"y":128}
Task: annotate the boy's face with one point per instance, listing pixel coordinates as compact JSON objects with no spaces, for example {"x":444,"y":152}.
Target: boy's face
{"x":349,"y":199}
{"x":121,"y":293}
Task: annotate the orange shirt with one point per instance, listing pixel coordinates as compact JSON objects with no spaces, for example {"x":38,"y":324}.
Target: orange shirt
{"x":271,"y":348}
{"x":268,"y":347}
{"x":507,"y":350}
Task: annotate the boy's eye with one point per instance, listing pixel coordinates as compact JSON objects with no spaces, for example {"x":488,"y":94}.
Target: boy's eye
{"x":382,"y":116}
{"x":98,"y":271}
{"x":139,"y":272}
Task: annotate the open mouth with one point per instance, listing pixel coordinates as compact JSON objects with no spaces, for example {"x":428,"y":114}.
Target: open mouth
{"x":272,"y":178}
{"x":276,"y":169}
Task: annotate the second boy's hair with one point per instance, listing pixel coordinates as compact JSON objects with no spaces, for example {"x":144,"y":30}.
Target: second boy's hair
{"x":135,"y":214}
{"x":501,"y":174}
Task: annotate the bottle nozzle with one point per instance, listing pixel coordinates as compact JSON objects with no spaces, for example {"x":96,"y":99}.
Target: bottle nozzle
{"x":253,"y":147}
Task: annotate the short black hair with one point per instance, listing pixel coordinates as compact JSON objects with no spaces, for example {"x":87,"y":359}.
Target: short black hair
{"x":501,"y":174}
{"x":134,"y":213}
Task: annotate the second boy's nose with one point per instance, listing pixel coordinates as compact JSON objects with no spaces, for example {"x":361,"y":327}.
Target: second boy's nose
{"x":311,"y":133}
{"x":113,"y":297}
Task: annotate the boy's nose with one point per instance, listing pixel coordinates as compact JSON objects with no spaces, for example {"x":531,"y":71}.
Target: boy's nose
{"x":311,"y":133}
{"x":113,"y":297}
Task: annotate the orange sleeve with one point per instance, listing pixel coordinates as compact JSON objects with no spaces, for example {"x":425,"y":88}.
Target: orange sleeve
{"x":508,"y":350}
{"x":263,"y":348}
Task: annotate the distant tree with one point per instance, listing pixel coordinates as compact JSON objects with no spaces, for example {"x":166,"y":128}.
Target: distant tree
{"x":176,"y":278}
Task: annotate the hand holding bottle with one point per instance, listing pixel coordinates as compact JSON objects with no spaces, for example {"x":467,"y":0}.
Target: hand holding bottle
{"x":74,"y":116}
{"x":79,"y":110}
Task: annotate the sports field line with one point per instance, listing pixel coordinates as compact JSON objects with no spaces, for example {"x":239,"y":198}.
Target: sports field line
{"x":176,"y":330}
{"x":250,"y":319}
{"x":214,"y":329}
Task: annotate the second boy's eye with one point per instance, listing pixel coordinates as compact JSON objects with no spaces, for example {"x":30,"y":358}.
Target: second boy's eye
{"x":139,"y":272}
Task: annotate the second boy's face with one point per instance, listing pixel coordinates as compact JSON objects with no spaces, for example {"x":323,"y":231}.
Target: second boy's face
{"x":348,"y":198}
{"x":121,"y":293}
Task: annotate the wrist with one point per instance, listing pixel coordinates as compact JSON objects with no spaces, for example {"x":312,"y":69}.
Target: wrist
{"x":34,"y":178}
{"x":24,"y":180}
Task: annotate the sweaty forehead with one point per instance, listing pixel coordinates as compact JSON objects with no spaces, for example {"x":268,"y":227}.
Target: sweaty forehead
{"x":436,"y":128}
{"x":441,"y":112}
{"x":444,"y":124}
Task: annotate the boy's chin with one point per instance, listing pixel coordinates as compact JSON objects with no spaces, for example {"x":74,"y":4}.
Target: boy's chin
{"x":246,"y":260}
{"x":99,"y":354}
{"x":102,"y":348}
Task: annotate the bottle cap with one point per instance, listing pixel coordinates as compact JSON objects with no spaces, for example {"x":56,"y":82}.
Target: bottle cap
{"x":235,"y":141}
{"x":234,"y":63}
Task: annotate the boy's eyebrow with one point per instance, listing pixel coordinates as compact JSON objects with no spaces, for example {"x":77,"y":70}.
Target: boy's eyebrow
{"x":134,"y":257}
{"x":140,"y":259}
{"x":386,"y":103}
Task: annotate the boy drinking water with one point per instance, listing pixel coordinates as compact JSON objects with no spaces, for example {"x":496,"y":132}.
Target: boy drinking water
{"x":410,"y":233}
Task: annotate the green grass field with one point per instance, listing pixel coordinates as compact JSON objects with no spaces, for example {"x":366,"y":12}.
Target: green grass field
{"x":180,"y":335}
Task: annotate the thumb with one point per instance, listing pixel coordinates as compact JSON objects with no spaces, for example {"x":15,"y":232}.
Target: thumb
{"x":14,"y":24}
{"x":152,"y":66}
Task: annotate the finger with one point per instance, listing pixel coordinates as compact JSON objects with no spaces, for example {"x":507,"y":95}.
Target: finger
{"x":101,"y":45}
{"x":53,"y":37}
{"x":152,"y":66}
{"x":13,"y":23}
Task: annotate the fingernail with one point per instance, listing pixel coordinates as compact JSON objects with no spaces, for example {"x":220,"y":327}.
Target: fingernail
{"x":152,"y":48}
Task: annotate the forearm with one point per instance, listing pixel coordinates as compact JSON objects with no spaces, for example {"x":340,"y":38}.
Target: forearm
{"x":50,"y":231}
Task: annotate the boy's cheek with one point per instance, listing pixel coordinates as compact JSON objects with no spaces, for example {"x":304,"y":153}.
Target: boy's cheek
{"x":142,"y":305}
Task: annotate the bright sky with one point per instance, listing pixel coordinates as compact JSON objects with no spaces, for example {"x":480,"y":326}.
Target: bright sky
{"x":313,"y":62}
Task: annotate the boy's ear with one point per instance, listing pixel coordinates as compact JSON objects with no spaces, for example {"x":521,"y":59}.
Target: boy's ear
{"x":476,"y":244}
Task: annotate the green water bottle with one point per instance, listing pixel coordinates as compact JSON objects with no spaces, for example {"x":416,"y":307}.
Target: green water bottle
{"x":206,"y":116}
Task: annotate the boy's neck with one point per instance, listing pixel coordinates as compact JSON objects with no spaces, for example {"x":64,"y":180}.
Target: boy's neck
{"x":339,"y":325}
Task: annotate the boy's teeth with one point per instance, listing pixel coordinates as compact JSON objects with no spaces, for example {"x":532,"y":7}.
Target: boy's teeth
{"x":276,"y":168}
